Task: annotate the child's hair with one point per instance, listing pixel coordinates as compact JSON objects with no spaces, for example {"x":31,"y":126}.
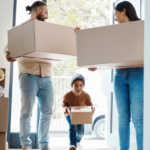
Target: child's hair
{"x":78,"y":77}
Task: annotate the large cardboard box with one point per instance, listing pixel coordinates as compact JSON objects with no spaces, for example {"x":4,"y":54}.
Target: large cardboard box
{"x":111,"y":46}
{"x":42,"y":40}
{"x":2,"y":140}
{"x":81,"y":115}
{"x":4,"y":107}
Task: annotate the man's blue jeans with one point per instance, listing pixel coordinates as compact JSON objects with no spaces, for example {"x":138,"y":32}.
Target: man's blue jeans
{"x":32,"y":86}
{"x":76,"y":132}
{"x":128,"y":88}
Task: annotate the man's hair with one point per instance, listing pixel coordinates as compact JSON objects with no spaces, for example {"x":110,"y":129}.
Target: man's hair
{"x":78,"y":77}
{"x":35,"y":5}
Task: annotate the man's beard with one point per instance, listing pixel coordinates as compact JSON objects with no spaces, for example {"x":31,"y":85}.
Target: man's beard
{"x":40,"y":17}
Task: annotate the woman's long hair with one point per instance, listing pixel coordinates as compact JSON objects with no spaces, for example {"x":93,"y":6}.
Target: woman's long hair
{"x":130,"y":10}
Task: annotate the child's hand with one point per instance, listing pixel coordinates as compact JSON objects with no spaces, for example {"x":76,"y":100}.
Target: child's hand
{"x":77,"y":28}
{"x":69,"y":111}
{"x":93,"y":109}
{"x":92,"y":69}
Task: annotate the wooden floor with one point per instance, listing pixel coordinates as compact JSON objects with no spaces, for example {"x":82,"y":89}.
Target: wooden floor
{"x":84,"y":149}
{"x":68,"y":149}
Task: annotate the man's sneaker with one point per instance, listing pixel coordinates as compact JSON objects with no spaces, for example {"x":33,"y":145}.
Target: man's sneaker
{"x":47,"y":148}
{"x":79,"y":146}
{"x":26,"y":148}
{"x":72,"y":147}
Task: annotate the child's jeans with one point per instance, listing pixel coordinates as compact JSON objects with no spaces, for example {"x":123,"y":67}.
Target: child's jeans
{"x":76,"y":132}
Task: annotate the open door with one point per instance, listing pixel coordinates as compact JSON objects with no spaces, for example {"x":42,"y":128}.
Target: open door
{"x":112,"y":115}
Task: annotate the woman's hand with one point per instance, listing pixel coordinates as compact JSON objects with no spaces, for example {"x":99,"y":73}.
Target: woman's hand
{"x":92,"y":69}
{"x":93,"y":109}
{"x":77,"y":28}
{"x":69,"y":110}
{"x":10,"y":59}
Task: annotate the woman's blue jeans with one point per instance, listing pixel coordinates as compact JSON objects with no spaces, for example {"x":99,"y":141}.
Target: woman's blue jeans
{"x":76,"y":132}
{"x":128,"y":89}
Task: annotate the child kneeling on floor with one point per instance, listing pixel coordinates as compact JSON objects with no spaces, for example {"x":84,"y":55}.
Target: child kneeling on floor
{"x":76,"y":97}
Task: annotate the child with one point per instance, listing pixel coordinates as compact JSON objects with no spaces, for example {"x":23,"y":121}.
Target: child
{"x":76,"y":97}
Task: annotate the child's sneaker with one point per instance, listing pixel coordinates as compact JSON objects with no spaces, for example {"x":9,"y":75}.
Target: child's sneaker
{"x":72,"y":147}
{"x":26,"y":148}
{"x":79,"y":146}
{"x":47,"y":148}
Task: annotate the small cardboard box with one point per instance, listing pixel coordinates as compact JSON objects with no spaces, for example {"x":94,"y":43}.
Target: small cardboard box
{"x":111,"y":46}
{"x":2,"y":140}
{"x":81,"y":115}
{"x":42,"y":40}
{"x":4,"y":107}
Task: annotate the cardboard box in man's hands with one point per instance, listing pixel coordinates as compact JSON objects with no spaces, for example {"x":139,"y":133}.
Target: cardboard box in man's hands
{"x":42,"y":40}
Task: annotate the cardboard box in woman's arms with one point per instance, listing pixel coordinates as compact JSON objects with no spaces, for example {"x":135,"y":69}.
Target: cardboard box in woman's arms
{"x":81,"y":115}
{"x":42,"y":40}
{"x":113,"y":46}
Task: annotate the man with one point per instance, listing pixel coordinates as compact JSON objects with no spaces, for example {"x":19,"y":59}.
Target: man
{"x":35,"y":80}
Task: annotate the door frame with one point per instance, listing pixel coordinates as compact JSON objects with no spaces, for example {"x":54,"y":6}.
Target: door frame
{"x":146,"y":145}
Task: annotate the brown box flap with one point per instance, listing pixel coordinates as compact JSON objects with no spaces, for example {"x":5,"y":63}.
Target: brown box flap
{"x":4,"y":109}
{"x":2,"y":140}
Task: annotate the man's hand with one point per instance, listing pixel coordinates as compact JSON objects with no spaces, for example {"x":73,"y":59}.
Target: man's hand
{"x":92,"y":69}
{"x":77,"y":28}
{"x":93,"y":109}
{"x":10,"y":59}
{"x":69,"y":110}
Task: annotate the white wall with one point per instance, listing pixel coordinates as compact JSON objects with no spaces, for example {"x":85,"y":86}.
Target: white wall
{"x":147,"y":78}
{"x":6,"y":18}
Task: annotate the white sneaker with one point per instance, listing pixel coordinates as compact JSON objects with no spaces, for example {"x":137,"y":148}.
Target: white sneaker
{"x":6,"y":145}
{"x":79,"y":146}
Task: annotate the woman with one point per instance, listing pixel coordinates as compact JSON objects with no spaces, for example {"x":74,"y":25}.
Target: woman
{"x":128,"y":88}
